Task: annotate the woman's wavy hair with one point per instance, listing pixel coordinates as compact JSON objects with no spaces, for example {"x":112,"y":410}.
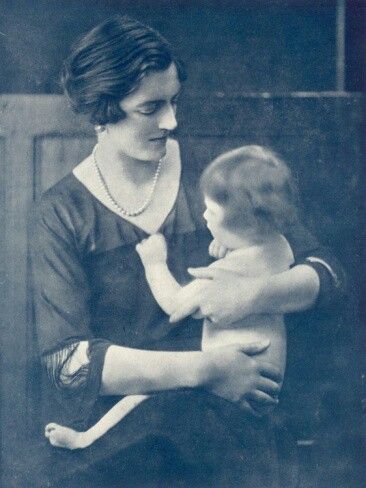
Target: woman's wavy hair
{"x":255,"y":187}
{"x":108,"y":63}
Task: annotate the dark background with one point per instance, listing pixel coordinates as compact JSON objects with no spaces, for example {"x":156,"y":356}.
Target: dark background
{"x":280,"y":48}
{"x":230,"y":46}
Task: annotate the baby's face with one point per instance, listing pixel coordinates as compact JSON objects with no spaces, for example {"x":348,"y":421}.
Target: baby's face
{"x":214,"y":216}
{"x":230,"y":238}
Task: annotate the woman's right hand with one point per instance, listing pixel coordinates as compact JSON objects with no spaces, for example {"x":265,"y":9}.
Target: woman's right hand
{"x":236,"y":375}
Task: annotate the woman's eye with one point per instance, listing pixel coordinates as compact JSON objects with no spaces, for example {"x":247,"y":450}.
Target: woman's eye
{"x":149,"y":110}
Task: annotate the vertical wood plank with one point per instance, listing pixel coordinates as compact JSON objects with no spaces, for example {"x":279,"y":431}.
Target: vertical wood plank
{"x":340,"y":44}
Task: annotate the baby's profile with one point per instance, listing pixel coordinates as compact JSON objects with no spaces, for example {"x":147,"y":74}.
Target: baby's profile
{"x":250,"y":202}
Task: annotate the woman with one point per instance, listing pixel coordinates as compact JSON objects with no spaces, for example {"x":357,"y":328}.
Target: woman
{"x":101,"y":334}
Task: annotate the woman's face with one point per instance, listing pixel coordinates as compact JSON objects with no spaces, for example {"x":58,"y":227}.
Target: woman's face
{"x":150,"y":116}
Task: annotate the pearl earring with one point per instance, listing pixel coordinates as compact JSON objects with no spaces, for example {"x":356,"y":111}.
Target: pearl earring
{"x":99,"y":128}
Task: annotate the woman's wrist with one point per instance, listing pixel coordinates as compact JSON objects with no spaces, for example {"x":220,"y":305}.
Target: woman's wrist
{"x":207,"y":369}
{"x":199,"y":371}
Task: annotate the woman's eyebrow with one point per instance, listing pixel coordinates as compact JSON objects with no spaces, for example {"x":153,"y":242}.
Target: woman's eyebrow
{"x":152,"y":101}
{"x":149,"y":102}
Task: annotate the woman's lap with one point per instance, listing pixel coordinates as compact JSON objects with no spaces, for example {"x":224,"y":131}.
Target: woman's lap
{"x":186,"y":438}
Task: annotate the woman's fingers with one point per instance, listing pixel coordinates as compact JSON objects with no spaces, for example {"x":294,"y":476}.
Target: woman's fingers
{"x":183,"y":310}
{"x":261,"y":398}
{"x":198,"y":315}
{"x":244,"y":405}
{"x":203,"y":272}
{"x":254,"y":347}
{"x":269,"y":371}
{"x":188,"y":301}
{"x":268,"y":386}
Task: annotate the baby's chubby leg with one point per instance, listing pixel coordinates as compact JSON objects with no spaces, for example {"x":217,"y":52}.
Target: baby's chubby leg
{"x":60,"y":436}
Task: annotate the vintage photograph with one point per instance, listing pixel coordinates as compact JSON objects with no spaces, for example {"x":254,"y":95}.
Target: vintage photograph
{"x":182,"y":231}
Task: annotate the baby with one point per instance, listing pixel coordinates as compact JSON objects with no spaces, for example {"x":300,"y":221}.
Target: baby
{"x":250,"y":202}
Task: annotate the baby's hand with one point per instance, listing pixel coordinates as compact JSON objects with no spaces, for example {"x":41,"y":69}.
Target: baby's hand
{"x":217,"y":250}
{"x":152,"y":250}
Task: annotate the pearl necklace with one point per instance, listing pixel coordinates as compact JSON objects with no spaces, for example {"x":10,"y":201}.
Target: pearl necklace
{"x":115,"y":204}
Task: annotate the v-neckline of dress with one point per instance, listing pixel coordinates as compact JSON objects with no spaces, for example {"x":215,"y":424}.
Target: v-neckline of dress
{"x":120,"y":217}
{"x":172,"y":154}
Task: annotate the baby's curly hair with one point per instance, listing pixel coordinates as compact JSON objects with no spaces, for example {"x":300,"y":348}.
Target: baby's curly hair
{"x":107,"y":64}
{"x":255,"y":187}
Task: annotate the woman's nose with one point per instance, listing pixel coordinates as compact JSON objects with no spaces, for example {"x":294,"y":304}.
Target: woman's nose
{"x":205,"y":214}
{"x":168,"y":119}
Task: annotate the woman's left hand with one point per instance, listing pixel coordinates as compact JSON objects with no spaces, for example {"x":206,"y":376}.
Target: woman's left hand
{"x":219,"y":295}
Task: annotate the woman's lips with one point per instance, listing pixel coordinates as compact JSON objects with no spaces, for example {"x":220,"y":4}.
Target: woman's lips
{"x":159,"y":139}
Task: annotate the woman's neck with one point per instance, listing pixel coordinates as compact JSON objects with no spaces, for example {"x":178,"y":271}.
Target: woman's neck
{"x":116,"y":165}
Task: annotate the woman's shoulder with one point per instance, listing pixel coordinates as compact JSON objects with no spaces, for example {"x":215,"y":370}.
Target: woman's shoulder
{"x":65,"y":187}
{"x":67,"y":202}
{"x":66,"y":191}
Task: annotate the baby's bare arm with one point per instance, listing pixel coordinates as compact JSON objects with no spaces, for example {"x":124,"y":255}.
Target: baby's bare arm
{"x":164,"y":287}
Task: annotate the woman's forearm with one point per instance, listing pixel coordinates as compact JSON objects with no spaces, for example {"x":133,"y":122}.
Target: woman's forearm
{"x":134,"y":371}
{"x":291,"y":291}
{"x":225,"y":297}
{"x":231,"y":372}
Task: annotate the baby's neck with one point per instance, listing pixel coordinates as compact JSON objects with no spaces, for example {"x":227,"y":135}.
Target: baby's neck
{"x":249,"y":239}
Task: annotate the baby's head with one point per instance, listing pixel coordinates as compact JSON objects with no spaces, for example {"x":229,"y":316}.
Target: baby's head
{"x":249,"y":193}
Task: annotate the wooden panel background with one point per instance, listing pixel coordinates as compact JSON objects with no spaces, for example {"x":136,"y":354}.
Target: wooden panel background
{"x":55,"y":156}
{"x":40,"y":141}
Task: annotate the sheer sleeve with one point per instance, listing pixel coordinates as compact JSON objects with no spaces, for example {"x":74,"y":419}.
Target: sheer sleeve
{"x":68,"y":367}
{"x":61,"y":290}
{"x":332,"y":277}
{"x":71,"y":355}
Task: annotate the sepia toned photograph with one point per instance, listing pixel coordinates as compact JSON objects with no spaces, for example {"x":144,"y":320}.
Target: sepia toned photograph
{"x":182,"y":243}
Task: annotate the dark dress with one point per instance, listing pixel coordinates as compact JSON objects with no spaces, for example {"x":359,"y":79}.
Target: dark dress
{"x":90,"y":285}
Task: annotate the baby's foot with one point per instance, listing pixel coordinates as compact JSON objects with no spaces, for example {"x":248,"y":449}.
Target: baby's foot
{"x":61,"y":436}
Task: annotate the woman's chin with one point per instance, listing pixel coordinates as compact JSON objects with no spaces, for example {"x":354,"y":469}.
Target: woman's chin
{"x":159,"y":147}
{"x":161,"y":153}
